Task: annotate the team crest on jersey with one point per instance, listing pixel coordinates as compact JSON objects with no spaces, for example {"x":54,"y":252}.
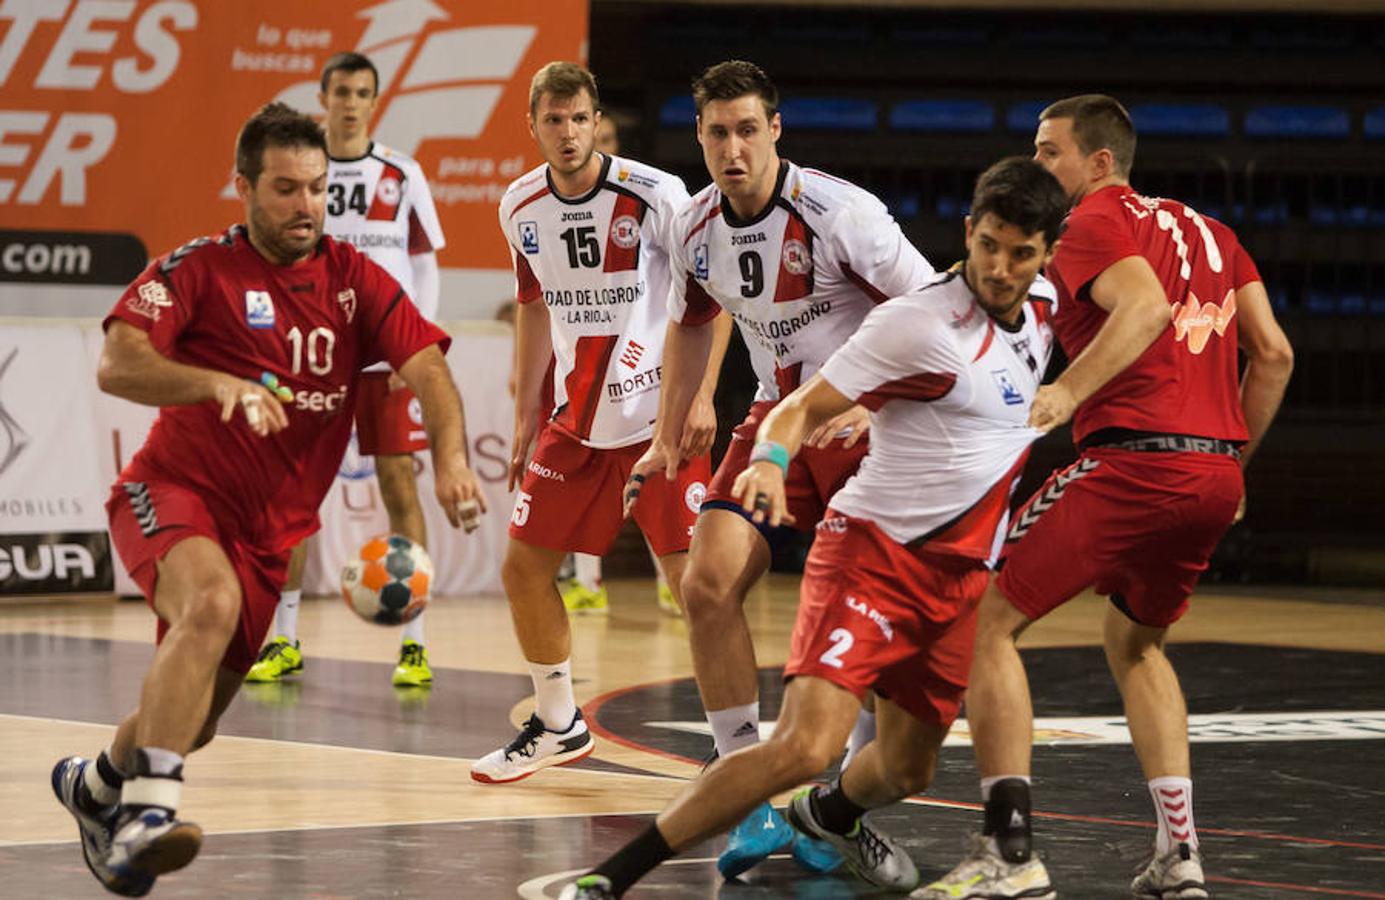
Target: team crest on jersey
{"x":625,"y":232}
{"x":259,"y":309}
{"x":694,"y":495}
{"x":388,"y":191}
{"x":1008,"y":392}
{"x":150,"y":300}
{"x":797,"y":259}
{"x":701,"y":270}
{"x":529,"y":237}
{"x":347,"y":301}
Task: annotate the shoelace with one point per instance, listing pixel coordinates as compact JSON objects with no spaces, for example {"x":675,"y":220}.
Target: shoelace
{"x":527,"y":739}
{"x":872,"y":845}
{"x":272,"y":650}
{"x":411,"y":655}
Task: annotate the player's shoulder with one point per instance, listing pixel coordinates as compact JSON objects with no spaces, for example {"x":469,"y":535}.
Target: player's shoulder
{"x":821,"y":198}
{"x":523,"y":188}
{"x":701,"y":210}
{"x":206,"y":252}
{"x":641,"y":179}
{"x":943,"y":298}
{"x":392,"y":157}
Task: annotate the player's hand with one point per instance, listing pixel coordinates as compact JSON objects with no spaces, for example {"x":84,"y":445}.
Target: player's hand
{"x":458,"y":492}
{"x":263,"y":410}
{"x":1053,"y":405}
{"x":658,"y":458}
{"x":701,"y":428}
{"x":760,"y":490}
{"x":526,"y":429}
{"x":852,"y":425}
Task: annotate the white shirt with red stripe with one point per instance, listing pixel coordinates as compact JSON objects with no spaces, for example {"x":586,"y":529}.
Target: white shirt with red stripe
{"x":600,"y":264}
{"x":949,"y":390}
{"x":799,"y":277}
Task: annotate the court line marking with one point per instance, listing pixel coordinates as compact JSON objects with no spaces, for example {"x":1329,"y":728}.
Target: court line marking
{"x":533,"y":889}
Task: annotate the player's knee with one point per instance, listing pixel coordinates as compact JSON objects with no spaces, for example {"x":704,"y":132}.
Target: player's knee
{"x":705,"y":596}
{"x":522,"y":576}
{"x":910,"y":772}
{"x":215,"y":608}
{"x":801,"y":754}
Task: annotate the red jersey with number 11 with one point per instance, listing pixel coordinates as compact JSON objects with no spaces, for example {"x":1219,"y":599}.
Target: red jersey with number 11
{"x":1187,"y":381}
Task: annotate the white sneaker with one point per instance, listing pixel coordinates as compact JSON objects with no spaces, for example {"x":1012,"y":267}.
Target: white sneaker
{"x":535,"y":748}
{"x":1177,"y":875}
{"x":986,"y":874}
{"x":153,"y":843}
{"x":872,"y":856}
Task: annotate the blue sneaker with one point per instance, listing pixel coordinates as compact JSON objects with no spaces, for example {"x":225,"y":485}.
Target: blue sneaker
{"x":814,"y":855}
{"x":762,"y":832}
{"x":152,"y":843}
{"x":94,"y":827}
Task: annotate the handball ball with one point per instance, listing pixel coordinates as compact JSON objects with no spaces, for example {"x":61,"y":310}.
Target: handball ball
{"x":388,"y":581}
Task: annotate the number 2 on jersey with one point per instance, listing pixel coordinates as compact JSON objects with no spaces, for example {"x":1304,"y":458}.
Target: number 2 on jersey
{"x":841,"y":642}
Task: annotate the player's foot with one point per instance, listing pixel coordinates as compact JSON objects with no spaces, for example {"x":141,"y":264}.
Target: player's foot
{"x":535,"y":748}
{"x":277,"y":659}
{"x":94,"y":827}
{"x":412,"y":670}
{"x":581,"y":599}
{"x":1177,"y":875}
{"x":762,"y":832}
{"x":588,"y":887}
{"x":667,"y":604}
{"x":152,"y":843}
{"x":872,"y":856}
{"x":986,"y":874}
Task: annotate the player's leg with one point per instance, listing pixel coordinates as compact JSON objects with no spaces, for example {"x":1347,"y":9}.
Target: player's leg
{"x":813,"y":723}
{"x":666,"y":596}
{"x":283,"y":655}
{"x":399,"y":494}
{"x":584,"y":591}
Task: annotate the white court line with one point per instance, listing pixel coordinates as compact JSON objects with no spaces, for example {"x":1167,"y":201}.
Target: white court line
{"x":533,"y":889}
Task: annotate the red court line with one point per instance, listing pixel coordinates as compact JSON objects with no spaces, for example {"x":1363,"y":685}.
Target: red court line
{"x":590,"y":710}
{"x":1336,"y":892}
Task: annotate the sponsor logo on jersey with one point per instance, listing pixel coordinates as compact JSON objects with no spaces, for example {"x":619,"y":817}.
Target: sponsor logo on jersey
{"x":150,"y":300}
{"x":625,"y":175}
{"x":1008,"y":392}
{"x":797,"y":259}
{"x":631,"y":357}
{"x":701,"y":270}
{"x":347,"y":301}
{"x":694,"y":495}
{"x":1195,"y":320}
{"x":625,"y":232}
{"x":870,"y":612}
{"x":529,"y":237}
{"x":836,"y":525}
{"x":320,"y":401}
{"x":259,"y":309}
{"x":545,"y":472}
{"x":388,"y":191}
{"x":639,"y":383}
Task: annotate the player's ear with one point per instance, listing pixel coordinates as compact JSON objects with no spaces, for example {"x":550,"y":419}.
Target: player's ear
{"x":966,"y":228}
{"x":322,"y":99}
{"x":529,"y":121}
{"x":243,"y":187}
{"x":775,"y":127}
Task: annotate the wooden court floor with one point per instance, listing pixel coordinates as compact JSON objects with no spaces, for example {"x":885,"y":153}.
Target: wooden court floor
{"x":337,"y":785}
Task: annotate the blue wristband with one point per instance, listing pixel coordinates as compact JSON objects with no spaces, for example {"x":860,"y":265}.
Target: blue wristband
{"x":769,"y":451}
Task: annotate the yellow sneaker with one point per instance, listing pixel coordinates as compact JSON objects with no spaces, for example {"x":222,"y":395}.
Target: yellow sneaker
{"x":277,"y":659}
{"x":667,"y":604}
{"x":579,"y":599}
{"x":412,"y":670}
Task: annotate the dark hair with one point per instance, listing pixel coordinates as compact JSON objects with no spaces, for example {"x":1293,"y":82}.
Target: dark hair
{"x":275,"y":125}
{"x":349,"y":61}
{"x":1020,"y":192}
{"x":563,"y":80}
{"x":1099,"y":122}
{"x":732,"y":79}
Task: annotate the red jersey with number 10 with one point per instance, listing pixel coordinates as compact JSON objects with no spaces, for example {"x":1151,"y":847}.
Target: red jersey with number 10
{"x":1187,"y":381}
{"x":218,"y":304}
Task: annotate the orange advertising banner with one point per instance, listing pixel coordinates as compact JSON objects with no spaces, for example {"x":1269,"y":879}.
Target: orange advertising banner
{"x":118,"y":118}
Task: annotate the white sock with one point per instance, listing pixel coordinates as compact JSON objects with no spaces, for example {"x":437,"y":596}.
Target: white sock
{"x":587,"y":570}
{"x":286,"y":619}
{"x":862,"y":733}
{"x":1173,"y":807}
{"x":553,"y":693}
{"x":101,"y":791}
{"x":735,"y":727}
{"x":566,"y":569}
{"x":413,"y":629}
{"x":988,"y":783}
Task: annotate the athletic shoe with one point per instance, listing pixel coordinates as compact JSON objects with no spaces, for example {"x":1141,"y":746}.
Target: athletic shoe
{"x":873,"y":857}
{"x":412,"y":670}
{"x":986,"y":874}
{"x":94,"y":827}
{"x":277,"y":659}
{"x":818,"y":857}
{"x":1177,"y":875}
{"x":152,"y":843}
{"x":580,"y":599}
{"x":667,"y":604}
{"x":588,"y":887}
{"x":535,"y":748}
{"x":762,"y":832}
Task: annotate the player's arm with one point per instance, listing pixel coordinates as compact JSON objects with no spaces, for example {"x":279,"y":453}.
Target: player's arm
{"x":1138,"y":312}
{"x":1269,"y":363}
{"x":458,"y":492}
{"x":424,"y":267}
{"x":533,"y":351}
{"x":760,"y":488}
{"x":700,"y":430}
{"x":131,"y":368}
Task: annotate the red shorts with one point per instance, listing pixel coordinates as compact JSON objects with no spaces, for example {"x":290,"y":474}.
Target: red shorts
{"x":815,"y":474}
{"x":873,"y":614}
{"x":572,"y":497}
{"x":148,"y":518}
{"x":388,"y":422}
{"x":1137,"y":526}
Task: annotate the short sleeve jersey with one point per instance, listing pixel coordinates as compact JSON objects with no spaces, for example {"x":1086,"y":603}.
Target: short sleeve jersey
{"x":218,"y":304}
{"x":949,"y":390}
{"x":799,"y":277}
{"x":380,"y":204}
{"x":1187,"y":381}
{"x":600,"y":264}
